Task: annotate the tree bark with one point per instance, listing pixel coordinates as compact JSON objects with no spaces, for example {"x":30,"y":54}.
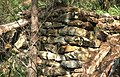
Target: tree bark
{"x":32,"y":71}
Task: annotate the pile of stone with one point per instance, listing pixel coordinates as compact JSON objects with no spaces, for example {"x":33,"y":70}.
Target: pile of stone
{"x":71,"y":43}
{"x":71,"y":39}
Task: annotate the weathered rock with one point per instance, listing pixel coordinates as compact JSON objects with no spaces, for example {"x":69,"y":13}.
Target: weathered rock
{"x":96,"y":43}
{"x":71,"y":64}
{"x":42,"y":76}
{"x":50,"y":63}
{"x":86,"y":42}
{"x":53,"y":71}
{"x":82,"y":41}
{"x":73,"y":31}
{"x":60,"y":39}
{"x":81,"y":24}
{"x":52,"y":32}
{"x":60,"y":57}
{"x":48,"y":32}
{"x":46,"y":55}
{"x":91,"y":43}
{"x":22,"y":41}
{"x":42,"y":31}
{"x":90,"y":35}
{"x":52,"y":25}
{"x":50,"y":47}
{"x":69,"y":48}
{"x":65,"y":76}
{"x":83,"y":54}
{"x":93,"y":49}
{"x":53,"y":40}
{"x":79,"y":70}
{"x":83,"y":57}
{"x":77,"y":23}
{"x":51,"y":56}
{"x":42,"y":54}
{"x":88,"y":26}
{"x":43,"y":39}
{"x":71,"y":56}
{"x":102,"y":35}
{"x":76,"y":74}
{"x":74,"y":40}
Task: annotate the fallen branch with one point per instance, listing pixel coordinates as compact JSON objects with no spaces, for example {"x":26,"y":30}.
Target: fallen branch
{"x":7,"y":27}
{"x":104,"y":49}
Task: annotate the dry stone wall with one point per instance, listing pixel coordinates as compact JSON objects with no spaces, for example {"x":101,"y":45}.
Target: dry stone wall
{"x":64,"y":48}
{"x":70,"y":40}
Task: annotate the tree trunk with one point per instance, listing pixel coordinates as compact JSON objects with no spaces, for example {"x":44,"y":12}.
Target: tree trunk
{"x":32,"y":71}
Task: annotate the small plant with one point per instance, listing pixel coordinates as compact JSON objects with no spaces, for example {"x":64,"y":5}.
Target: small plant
{"x":114,"y":10}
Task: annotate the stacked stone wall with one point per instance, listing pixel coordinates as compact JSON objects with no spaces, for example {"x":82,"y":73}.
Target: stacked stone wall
{"x":66,"y":46}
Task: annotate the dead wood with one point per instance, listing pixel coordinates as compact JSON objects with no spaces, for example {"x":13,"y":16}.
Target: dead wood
{"x":7,"y":27}
{"x":104,"y":49}
{"x":115,"y":26}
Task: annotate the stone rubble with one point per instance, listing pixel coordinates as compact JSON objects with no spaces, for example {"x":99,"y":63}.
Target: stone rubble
{"x":70,"y":39}
{"x":65,"y":48}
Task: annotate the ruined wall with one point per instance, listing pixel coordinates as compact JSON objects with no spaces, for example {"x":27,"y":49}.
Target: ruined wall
{"x":69,"y":42}
{"x":65,"y":48}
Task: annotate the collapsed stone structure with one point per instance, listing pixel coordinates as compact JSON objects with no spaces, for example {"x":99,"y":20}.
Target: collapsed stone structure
{"x":71,"y":38}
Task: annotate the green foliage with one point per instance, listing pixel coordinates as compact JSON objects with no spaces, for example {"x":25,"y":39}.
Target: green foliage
{"x":100,"y":11}
{"x":112,"y":11}
{"x":9,"y":10}
{"x":13,"y":67}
